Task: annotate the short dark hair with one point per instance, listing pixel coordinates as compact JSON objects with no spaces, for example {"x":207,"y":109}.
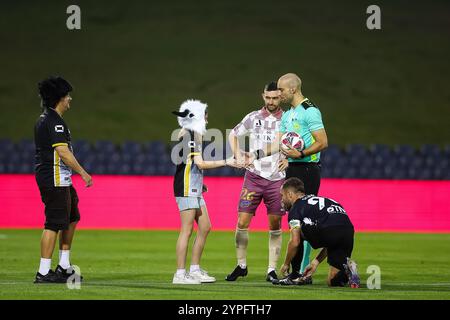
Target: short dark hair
{"x":272,"y":86}
{"x":294,"y":184}
{"x":52,"y":89}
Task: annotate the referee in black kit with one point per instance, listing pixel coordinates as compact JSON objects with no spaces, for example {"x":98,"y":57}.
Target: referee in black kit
{"x":54,"y":164}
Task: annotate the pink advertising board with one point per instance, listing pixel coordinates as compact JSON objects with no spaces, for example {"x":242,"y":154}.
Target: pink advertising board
{"x":142,"y":202}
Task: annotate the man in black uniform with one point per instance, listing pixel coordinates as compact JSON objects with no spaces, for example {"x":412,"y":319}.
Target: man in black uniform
{"x":54,"y":164}
{"x":324,"y":224}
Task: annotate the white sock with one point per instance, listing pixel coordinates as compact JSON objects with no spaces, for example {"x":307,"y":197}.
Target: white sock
{"x":181,"y":272}
{"x":241,"y":241}
{"x":269,"y":270}
{"x":45,"y":266}
{"x":64,"y":261}
{"x":194,"y":267}
{"x":275,"y":242}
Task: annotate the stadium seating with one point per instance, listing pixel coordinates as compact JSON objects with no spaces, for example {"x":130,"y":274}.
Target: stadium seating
{"x":354,"y":161}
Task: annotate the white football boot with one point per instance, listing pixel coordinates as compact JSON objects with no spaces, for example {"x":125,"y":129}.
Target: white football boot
{"x":202,"y":276}
{"x":184,"y":279}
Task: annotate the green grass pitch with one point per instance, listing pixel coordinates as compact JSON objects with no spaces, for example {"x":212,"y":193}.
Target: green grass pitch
{"x":140,"y":265}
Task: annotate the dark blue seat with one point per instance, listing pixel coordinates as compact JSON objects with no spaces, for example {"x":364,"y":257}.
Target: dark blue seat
{"x":404,"y":150}
{"x":25,"y":168}
{"x":394,"y":170}
{"x":27,"y":157}
{"x":131,"y":147}
{"x":340,"y":162}
{"x":332,"y":151}
{"x":425,"y":174}
{"x":26,"y":145}
{"x":11,"y":167}
{"x":100,"y":169}
{"x":446,"y":175}
{"x":446,"y":151}
{"x":381,"y":160}
{"x":155,"y":147}
{"x":88,"y":166}
{"x":367,"y":162}
{"x":356,"y":150}
{"x":149,"y":170}
{"x":90,"y":158}
{"x":443,"y":163}
{"x":102,"y":157}
{"x":431,"y":161}
{"x":326,"y":172}
{"x":399,"y":174}
{"x":6,"y":146}
{"x":417,"y":163}
{"x":430,"y":150}
{"x":114,"y":157}
{"x":413,"y":173}
{"x":138,"y":168}
{"x":162,"y":170}
{"x":127,"y":158}
{"x":338,"y":172}
{"x":377,"y":173}
{"x":351,"y":173}
{"x":355,"y":161}
{"x":226,"y":171}
{"x":113,"y":167}
{"x":139,"y":159}
{"x":381,"y":150}
{"x":364,"y":172}
{"x":81,"y":147}
{"x":105,"y":146}
{"x":14,"y":158}
{"x":124,"y":169}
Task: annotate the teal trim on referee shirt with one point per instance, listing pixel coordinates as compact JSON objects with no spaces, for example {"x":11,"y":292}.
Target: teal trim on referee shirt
{"x":303,"y":122}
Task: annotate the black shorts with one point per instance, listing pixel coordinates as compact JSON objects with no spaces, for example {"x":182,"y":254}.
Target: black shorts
{"x":308,"y":172}
{"x":61,"y":207}
{"x":339,"y":243}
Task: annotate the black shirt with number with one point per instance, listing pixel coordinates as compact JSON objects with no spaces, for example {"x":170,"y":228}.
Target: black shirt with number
{"x":188,"y":180}
{"x":51,"y":131}
{"x":314,"y":216}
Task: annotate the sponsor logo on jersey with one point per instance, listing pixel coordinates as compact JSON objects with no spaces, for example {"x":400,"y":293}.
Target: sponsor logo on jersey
{"x":59,"y":128}
{"x":245,"y":203}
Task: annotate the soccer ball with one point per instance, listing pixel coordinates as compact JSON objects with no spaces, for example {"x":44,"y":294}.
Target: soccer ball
{"x":294,"y":139}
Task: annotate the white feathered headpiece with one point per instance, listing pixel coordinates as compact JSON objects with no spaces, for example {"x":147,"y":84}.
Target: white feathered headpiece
{"x":191,"y":116}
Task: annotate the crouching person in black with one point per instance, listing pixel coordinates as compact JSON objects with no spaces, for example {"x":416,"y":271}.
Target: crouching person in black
{"x":324,"y":224}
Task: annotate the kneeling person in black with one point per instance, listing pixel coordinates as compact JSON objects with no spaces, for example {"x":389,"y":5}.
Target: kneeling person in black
{"x":324,"y":224}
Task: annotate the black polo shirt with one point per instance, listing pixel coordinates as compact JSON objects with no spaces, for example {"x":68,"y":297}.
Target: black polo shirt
{"x":51,"y":131}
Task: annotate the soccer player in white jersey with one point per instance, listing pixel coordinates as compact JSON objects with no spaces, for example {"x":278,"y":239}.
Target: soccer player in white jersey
{"x":262,"y":180}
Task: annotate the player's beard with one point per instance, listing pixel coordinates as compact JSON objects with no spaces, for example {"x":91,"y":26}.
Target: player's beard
{"x":272,"y":108}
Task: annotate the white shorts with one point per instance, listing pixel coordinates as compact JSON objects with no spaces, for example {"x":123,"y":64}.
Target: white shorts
{"x":186,"y":203}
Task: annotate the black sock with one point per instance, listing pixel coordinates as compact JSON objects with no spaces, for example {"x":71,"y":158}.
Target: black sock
{"x":297,"y":260}
{"x":339,"y":280}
